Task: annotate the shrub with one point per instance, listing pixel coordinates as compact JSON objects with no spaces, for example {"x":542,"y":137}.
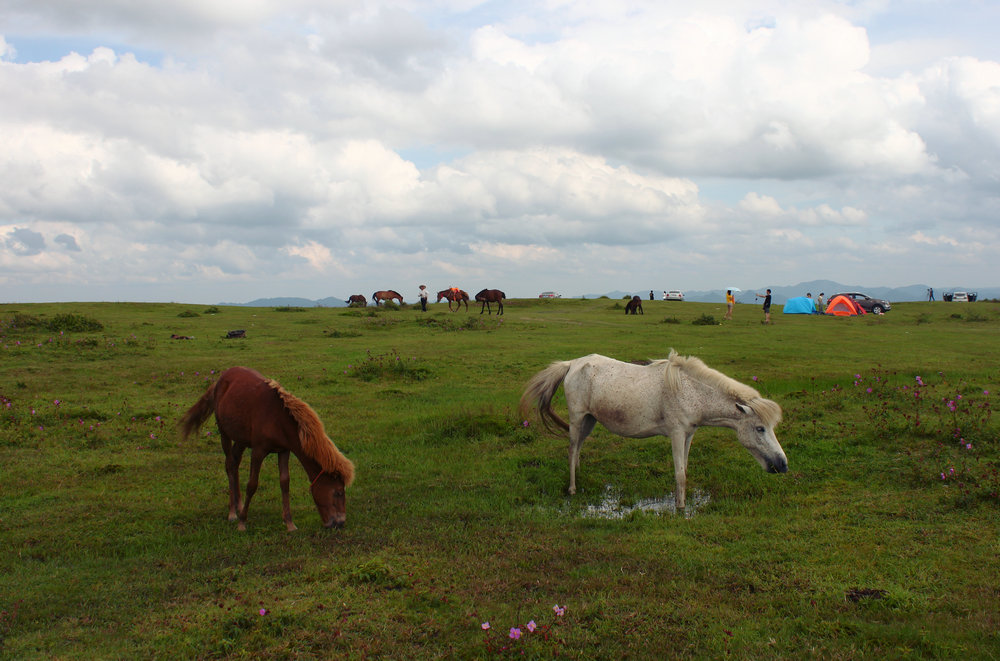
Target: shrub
{"x":705,"y":320}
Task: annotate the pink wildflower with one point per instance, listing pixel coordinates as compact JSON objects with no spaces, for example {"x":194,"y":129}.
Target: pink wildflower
{"x":263,"y":611}
{"x":531,"y":626}
{"x":485,"y":626}
{"x":515,"y":633}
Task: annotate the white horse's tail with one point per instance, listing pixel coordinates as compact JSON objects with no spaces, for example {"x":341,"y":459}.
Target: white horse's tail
{"x":539,"y":393}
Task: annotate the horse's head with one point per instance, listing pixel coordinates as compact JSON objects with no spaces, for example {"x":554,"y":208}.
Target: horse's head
{"x":756,"y":434}
{"x":330,"y":494}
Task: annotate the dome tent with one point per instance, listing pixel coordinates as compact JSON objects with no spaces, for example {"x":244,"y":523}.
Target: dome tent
{"x":842,"y":306}
{"x":800,"y":305}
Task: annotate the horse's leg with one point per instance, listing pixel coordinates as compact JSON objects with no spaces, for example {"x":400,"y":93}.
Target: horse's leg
{"x":256,"y":459}
{"x":286,"y":501}
{"x":680,"y":444}
{"x":579,"y":430}
{"x":500,"y":310}
{"x":233,"y":456}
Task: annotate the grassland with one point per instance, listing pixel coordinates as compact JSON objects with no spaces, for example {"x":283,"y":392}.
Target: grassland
{"x":880,"y":542}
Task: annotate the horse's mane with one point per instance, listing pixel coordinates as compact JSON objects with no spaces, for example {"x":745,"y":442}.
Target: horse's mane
{"x":769,"y":411}
{"x":312,"y":436}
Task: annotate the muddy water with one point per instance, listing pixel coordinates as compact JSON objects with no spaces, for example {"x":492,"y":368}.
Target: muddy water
{"x":611,"y":506}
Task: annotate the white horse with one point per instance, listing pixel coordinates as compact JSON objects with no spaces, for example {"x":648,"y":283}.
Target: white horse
{"x":671,"y":397}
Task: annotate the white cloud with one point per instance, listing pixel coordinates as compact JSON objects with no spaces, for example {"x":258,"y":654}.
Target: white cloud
{"x":267,"y":142}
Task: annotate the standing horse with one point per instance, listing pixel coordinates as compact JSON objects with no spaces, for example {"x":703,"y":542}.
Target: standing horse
{"x":633,"y":305}
{"x":488,"y":296}
{"x":454,"y":295}
{"x":257,"y":413}
{"x":387,"y":295}
{"x":671,"y":397}
{"x":357,"y":298}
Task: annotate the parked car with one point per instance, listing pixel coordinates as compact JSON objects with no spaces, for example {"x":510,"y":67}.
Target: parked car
{"x":549,"y":294}
{"x":674,"y":295}
{"x":960,"y":297}
{"x":867,"y":303}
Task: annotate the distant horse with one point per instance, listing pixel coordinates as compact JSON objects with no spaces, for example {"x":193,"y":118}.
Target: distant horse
{"x":358,"y":299}
{"x":671,"y":397}
{"x":387,"y":295}
{"x":257,"y":413}
{"x":488,"y":296}
{"x":633,"y":305}
{"x":454,"y":295}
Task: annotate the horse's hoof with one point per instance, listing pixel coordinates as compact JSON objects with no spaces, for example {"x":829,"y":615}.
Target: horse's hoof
{"x":242,"y":526}
{"x":291,"y":527}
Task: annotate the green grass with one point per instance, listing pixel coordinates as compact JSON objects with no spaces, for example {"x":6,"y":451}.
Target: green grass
{"x":116,"y":543}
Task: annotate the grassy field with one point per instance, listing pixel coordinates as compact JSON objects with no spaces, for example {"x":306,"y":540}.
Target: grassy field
{"x":880,"y":542}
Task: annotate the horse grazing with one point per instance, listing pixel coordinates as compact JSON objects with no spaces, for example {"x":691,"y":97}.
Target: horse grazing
{"x":454,"y":295}
{"x":633,"y":305}
{"x":671,"y":397}
{"x":488,"y":296}
{"x":387,"y":295}
{"x":257,"y":413}
{"x":357,"y":299}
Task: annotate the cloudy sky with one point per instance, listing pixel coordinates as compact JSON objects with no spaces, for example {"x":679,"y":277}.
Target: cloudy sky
{"x":224,"y":150}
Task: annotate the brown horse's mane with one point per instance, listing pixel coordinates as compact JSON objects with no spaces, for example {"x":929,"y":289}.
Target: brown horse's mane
{"x":769,"y":411}
{"x":312,"y":436}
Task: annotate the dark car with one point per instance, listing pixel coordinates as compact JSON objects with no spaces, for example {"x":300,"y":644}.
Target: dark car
{"x":867,"y":303}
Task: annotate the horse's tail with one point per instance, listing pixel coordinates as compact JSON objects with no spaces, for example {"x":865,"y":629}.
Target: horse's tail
{"x":539,"y":392}
{"x":198,"y":414}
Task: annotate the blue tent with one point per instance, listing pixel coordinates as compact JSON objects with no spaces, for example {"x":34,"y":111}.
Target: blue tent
{"x":800,"y":305}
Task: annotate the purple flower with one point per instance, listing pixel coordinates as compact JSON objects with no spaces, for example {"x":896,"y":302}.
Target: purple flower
{"x":263,"y":611}
{"x":485,"y":626}
{"x":559,"y":610}
{"x":531,"y":626}
{"x":920,"y":381}
{"x":515,"y":633}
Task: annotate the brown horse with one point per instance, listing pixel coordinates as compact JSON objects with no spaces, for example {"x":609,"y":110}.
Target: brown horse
{"x":454,"y":295}
{"x":633,"y":305}
{"x":257,"y":413}
{"x":488,"y":296}
{"x":357,"y":299}
{"x":387,"y":295}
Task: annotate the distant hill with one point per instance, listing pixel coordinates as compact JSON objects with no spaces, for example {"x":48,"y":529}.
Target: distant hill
{"x":781,"y":294}
{"x":293,"y":302}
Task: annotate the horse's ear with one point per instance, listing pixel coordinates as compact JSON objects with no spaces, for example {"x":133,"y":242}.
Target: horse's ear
{"x":743,"y":407}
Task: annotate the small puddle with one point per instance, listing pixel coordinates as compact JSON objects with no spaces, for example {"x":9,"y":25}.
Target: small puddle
{"x":611,"y":506}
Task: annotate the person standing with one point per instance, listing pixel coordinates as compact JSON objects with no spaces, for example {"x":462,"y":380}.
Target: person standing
{"x":767,"y":305}
{"x":930,"y":294}
{"x":819,"y":304}
{"x":423,"y":297}
{"x":650,"y":294}
{"x":730,"y":302}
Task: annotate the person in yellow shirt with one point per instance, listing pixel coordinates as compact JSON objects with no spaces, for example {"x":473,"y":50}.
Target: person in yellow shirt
{"x":730,"y":301}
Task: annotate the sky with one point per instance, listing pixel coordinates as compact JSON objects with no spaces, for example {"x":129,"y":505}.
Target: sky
{"x":227,"y":150}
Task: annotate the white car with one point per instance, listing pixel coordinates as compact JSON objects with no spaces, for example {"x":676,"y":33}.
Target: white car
{"x":674,"y":295}
{"x":960,"y":297}
{"x":549,"y":294}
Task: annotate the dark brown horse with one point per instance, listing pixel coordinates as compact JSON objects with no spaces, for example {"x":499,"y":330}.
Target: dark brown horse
{"x":357,"y":299}
{"x":257,"y":413}
{"x":632,"y":306}
{"x":488,"y":296}
{"x":454,"y":295}
{"x":387,"y":295}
